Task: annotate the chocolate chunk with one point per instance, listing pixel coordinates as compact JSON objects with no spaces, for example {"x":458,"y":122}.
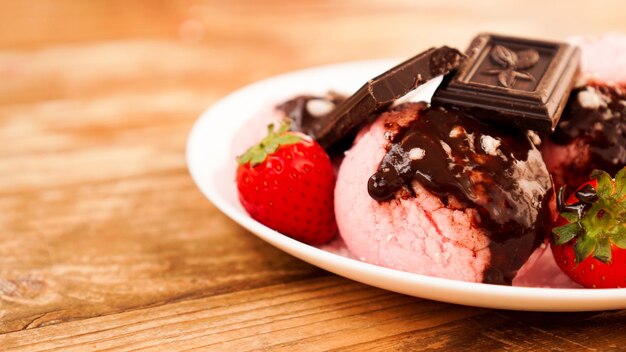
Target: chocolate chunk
{"x":514,"y":80}
{"x":379,"y":93}
{"x":309,"y":109}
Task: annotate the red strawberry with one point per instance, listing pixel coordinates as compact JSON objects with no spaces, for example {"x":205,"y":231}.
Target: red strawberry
{"x":589,"y":240}
{"x":287,"y":182}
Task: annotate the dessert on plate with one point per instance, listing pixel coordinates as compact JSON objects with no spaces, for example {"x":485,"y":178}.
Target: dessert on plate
{"x":462,"y":187}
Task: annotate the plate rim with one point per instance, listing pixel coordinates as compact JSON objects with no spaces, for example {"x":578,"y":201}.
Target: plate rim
{"x":467,"y":293}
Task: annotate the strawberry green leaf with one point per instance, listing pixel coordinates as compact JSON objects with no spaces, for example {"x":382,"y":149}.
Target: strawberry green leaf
{"x":605,"y":183}
{"x":570,"y":217}
{"x":274,"y":139}
{"x":288,"y":138}
{"x":249,"y":154}
{"x":257,"y":158}
{"x":583,"y":248}
{"x":284,"y":127}
{"x":620,"y":183}
{"x":270,"y":146}
{"x":618,"y":237}
{"x":602,"y":251}
{"x":565,"y":233}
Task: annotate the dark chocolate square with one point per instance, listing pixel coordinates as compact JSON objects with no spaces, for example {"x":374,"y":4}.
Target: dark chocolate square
{"x":514,"y":80}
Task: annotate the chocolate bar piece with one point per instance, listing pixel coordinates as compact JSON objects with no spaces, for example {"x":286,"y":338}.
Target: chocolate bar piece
{"x":513,"y":80}
{"x":379,"y":93}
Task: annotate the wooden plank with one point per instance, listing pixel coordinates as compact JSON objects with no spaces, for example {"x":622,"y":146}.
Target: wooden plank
{"x":326,"y":312}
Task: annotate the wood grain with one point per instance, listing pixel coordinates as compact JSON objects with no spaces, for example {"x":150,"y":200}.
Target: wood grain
{"x":328,"y":313}
{"x":105,"y":242}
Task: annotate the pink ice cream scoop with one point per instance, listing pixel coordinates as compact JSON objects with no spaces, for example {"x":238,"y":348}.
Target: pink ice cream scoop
{"x":480,"y":221}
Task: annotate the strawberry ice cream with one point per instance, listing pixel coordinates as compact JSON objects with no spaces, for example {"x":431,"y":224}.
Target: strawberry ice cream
{"x":421,"y":232}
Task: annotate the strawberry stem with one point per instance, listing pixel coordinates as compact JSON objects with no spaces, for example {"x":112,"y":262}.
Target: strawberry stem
{"x":597,"y":220}
{"x":268,"y":145}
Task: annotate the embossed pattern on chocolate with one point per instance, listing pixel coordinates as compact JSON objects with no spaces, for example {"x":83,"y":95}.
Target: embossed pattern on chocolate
{"x":517,"y":81}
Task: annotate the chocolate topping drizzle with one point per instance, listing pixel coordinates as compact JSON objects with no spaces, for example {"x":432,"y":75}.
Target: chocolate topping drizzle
{"x":495,"y":170}
{"x":595,"y":116}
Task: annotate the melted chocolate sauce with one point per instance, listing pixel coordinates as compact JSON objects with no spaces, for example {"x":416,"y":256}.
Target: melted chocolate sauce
{"x":495,"y":170}
{"x":595,"y":117}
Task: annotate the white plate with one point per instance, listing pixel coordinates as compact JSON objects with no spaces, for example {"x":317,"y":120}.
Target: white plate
{"x":210,"y":158}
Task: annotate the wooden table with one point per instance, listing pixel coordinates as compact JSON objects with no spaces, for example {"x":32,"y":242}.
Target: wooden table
{"x":105,"y":242}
